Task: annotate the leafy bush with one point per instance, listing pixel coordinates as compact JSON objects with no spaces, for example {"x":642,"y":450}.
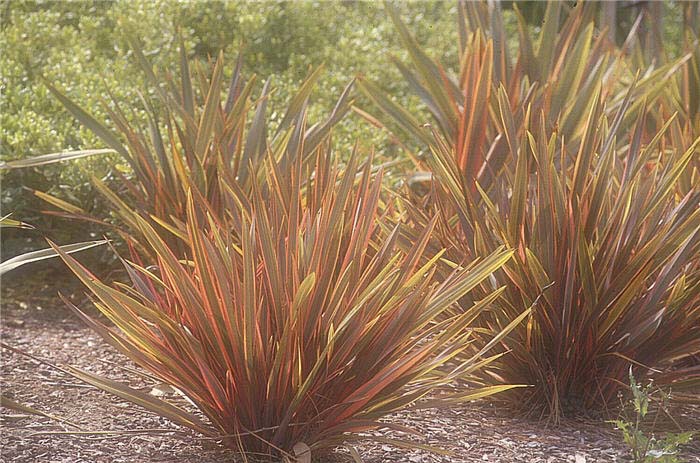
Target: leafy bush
{"x":82,"y":48}
{"x":46,"y":41}
{"x":308,"y":332}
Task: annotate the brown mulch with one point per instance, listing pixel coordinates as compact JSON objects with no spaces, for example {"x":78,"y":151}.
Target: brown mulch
{"x":474,"y":433}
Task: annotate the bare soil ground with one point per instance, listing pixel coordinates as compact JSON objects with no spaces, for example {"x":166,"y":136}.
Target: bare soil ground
{"x":116,"y":431}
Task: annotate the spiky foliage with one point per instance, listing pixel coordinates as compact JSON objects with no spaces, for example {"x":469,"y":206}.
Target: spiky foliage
{"x":555,"y":74}
{"x":600,"y":233}
{"x":558,"y":154}
{"x":683,"y":97}
{"x":197,"y":138}
{"x":311,"y":329}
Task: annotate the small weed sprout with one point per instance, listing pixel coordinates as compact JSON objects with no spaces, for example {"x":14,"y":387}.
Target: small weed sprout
{"x":645,"y":445}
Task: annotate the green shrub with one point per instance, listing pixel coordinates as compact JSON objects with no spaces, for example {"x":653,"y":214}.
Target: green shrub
{"x":82,"y":48}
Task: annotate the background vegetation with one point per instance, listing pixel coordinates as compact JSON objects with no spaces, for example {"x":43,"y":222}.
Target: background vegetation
{"x":82,"y":48}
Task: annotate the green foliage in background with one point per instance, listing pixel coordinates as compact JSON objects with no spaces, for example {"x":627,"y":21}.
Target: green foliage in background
{"x":81,"y":47}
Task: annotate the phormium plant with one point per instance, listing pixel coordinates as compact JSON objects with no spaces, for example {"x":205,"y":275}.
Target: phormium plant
{"x":605,"y":231}
{"x":555,"y":75}
{"x":198,"y":139}
{"x":559,"y":155}
{"x":308,"y":327}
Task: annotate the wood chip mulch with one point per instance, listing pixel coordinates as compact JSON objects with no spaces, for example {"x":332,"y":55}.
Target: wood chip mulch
{"x":475,"y":433}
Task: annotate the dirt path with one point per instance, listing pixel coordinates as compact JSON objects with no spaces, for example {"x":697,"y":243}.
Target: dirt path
{"x":476,"y":433}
